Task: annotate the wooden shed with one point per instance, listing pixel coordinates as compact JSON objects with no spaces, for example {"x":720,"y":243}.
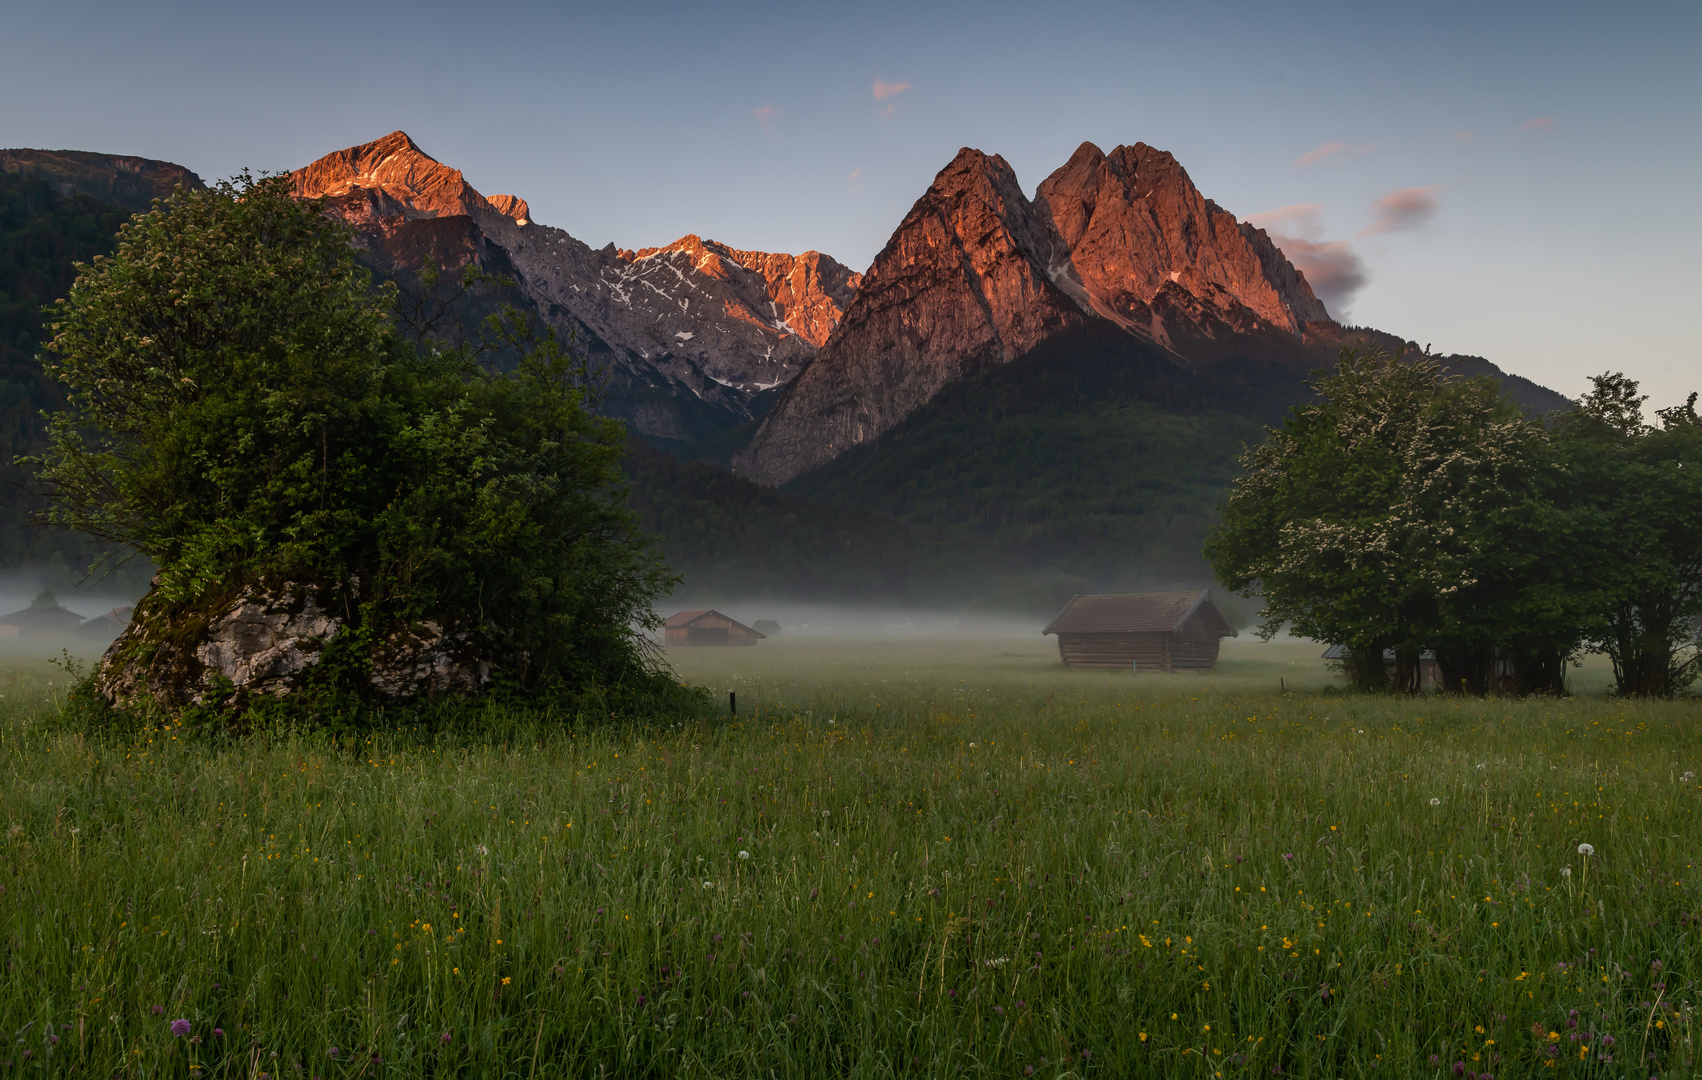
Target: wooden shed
{"x":1169,"y":631}
{"x":46,"y":617}
{"x":708,"y":627}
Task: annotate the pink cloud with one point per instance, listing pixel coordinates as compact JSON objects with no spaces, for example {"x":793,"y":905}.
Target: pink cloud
{"x":1541,"y":124}
{"x":765,"y":116}
{"x":884,"y":89}
{"x":1333,"y":269}
{"x":1331,"y":149}
{"x":855,"y":181}
{"x":1463,"y":136}
{"x":1405,"y":209}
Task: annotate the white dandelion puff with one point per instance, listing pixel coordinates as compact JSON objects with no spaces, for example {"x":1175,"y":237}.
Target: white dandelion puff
{"x":1586,"y":850}
{"x":1565,"y":871}
{"x":1435,"y":801}
{"x":744,"y":854}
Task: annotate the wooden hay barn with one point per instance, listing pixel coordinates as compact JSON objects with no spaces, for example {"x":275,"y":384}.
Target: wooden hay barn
{"x":1169,"y":631}
{"x":708,"y":627}
{"x":45,"y":618}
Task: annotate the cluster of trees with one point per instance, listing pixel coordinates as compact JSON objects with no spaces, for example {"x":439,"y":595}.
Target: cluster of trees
{"x":1406,"y":513}
{"x":244,"y":406}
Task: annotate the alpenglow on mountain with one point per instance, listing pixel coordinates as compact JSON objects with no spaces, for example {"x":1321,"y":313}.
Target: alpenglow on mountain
{"x":977,"y":274}
{"x":697,"y":336}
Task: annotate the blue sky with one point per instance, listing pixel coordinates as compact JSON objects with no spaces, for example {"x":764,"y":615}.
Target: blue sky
{"x":1517,"y":181}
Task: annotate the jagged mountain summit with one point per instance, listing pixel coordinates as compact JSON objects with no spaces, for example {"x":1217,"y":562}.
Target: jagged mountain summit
{"x":978,"y":274}
{"x":697,"y":335}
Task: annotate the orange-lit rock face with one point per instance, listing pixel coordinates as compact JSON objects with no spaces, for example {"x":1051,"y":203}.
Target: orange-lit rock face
{"x":803,"y":294}
{"x":693,"y":320}
{"x":954,"y":292}
{"x":1127,"y":223}
{"x":393,"y":173}
{"x":976,"y":275}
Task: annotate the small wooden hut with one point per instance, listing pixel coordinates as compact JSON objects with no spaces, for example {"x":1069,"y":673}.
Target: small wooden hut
{"x":1169,"y":631}
{"x":708,"y":627}
{"x":45,"y":618}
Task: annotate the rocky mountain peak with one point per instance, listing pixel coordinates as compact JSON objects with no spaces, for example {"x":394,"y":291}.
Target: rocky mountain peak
{"x":1128,"y":223}
{"x":394,"y":177}
{"x":957,"y":290}
{"x":976,"y":275}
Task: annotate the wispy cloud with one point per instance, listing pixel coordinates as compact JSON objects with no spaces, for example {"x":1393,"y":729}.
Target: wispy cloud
{"x":765,"y":116}
{"x":1329,"y":150}
{"x":884,"y":90}
{"x":1463,"y":136}
{"x":855,"y":181}
{"x":1405,"y":209}
{"x":1333,"y":269}
{"x":1541,"y":124}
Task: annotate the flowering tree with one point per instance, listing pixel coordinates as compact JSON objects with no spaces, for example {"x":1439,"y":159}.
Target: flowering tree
{"x":1406,"y":511}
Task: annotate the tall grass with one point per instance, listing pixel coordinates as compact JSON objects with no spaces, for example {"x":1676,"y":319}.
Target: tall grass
{"x":875,"y":871}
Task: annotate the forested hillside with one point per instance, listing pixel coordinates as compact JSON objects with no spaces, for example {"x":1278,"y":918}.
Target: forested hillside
{"x":729,"y":537}
{"x":42,"y":234}
{"x":1097,"y":454}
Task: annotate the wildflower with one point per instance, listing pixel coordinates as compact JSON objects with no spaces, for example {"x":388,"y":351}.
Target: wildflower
{"x":506,"y":980}
{"x":744,"y":854}
{"x":1586,"y":850}
{"x":1565,"y":871}
{"x":1289,"y":856}
{"x":333,"y":1052}
{"x":1687,"y":777}
{"x":1435,"y":801}
{"x":180,"y":1028}
{"x":219,"y":1033}
{"x":709,"y":884}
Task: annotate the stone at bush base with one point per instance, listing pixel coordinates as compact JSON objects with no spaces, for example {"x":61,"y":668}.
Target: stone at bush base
{"x":266,"y":641}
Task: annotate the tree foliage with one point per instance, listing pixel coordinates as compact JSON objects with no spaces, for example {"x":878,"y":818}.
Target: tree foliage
{"x":242,"y":407}
{"x":1643,"y":484}
{"x":1406,"y":512}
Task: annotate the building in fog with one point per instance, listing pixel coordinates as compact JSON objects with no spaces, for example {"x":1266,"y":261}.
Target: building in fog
{"x":44,"y":618}
{"x":767,"y":627}
{"x":1169,"y":631}
{"x":106,"y":627}
{"x":708,"y":627}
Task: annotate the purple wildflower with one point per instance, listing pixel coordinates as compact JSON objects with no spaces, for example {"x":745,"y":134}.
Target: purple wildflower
{"x":220,"y":1032}
{"x":180,"y":1028}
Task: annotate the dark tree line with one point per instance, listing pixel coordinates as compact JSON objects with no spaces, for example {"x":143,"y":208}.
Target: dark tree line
{"x":1407,"y":513}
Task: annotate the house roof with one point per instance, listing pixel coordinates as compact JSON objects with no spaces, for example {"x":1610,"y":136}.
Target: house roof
{"x":42,"y":617}
{"x":1137,"y":613}
{"x":686,"y":618}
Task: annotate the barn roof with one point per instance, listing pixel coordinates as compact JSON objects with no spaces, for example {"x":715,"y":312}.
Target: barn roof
{"x":42,"y":617}
{"x":686,"y":618}
{"x":1137,"y":613}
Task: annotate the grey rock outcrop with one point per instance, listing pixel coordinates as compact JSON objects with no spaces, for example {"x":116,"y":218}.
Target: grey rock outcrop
{"x":267,"y":642}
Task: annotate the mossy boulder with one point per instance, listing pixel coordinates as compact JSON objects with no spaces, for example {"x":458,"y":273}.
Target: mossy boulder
{"x":270,"y":641}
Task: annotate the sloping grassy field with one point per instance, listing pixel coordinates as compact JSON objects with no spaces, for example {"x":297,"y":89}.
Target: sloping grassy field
{"x":904,"y":858}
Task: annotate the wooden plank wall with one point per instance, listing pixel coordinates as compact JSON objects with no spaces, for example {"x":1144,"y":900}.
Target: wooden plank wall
{"x":1148,"y":652}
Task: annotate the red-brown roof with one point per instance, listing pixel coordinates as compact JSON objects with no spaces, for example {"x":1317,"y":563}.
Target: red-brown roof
{"x":1137,"y":613}
{"x":686,"y":618}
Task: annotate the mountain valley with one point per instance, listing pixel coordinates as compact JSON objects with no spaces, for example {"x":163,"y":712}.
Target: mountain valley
{"x":1018,"y":399}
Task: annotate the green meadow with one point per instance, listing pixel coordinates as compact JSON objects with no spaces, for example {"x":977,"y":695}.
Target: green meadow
{"x":904,"y":857}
